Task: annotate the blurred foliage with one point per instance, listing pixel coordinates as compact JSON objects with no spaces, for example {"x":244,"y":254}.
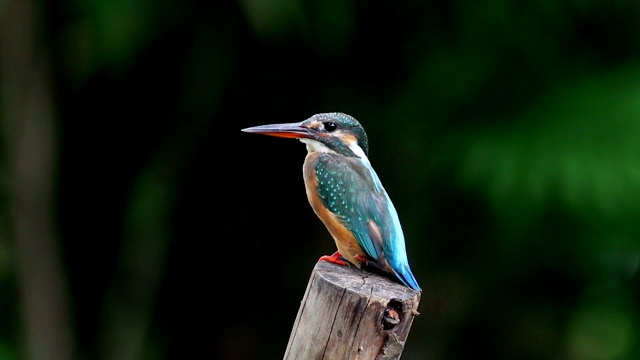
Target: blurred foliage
{"x":505,"y":132}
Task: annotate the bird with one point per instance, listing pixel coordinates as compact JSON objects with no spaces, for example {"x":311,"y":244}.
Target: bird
{"x":345,"y":192}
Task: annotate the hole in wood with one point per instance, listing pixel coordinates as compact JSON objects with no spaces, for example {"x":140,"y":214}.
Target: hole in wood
{"x":392,"y":315}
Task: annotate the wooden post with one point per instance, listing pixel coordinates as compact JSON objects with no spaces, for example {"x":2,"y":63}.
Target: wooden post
{"x":349,"y":313}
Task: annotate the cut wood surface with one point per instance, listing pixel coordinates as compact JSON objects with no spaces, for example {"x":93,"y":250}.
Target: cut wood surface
{"x":349,"y":313}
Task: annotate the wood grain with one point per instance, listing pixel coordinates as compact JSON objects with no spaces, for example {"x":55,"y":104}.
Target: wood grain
{"x":349,"y":313}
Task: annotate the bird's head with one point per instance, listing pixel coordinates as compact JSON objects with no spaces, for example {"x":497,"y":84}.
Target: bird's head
{"x":326,"y":132}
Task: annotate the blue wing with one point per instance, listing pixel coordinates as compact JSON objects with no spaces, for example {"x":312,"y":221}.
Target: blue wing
{"x":351,"y":189}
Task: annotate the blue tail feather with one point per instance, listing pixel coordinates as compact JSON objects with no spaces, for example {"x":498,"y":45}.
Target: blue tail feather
{"x":405,"y":275}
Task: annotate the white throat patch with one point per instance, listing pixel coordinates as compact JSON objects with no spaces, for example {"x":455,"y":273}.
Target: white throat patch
{"x":314,"y":145}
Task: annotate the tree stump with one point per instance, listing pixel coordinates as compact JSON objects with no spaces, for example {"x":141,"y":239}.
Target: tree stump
{"x":349,"y":313}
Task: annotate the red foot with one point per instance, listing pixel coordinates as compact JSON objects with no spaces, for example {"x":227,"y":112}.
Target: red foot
{"x":335,"y":258}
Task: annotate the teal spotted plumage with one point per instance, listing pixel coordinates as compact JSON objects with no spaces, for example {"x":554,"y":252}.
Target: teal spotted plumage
{"x":346,"y":193}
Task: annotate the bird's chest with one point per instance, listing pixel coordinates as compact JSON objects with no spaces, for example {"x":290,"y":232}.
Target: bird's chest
{"x":311,"y":180}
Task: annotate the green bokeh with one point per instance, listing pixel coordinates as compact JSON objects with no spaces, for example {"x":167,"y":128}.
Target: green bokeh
{"x":505,"y":132}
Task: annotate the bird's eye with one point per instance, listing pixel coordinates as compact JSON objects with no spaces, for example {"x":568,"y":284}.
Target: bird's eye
{"x":330,"y":126}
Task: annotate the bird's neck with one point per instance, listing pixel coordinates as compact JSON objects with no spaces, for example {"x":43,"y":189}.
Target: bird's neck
{"x":317,"y":146}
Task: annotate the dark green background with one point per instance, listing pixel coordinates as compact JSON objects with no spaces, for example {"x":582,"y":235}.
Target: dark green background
{"x":507,"y":133}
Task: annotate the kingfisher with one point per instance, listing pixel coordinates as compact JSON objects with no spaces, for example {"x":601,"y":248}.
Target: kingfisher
{"x":346,"y":194}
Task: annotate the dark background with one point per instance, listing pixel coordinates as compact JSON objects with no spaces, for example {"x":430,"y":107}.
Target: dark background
{"x":138,"y":222}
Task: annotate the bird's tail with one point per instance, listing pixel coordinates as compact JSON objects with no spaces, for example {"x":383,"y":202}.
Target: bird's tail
{"x":404,"y":274}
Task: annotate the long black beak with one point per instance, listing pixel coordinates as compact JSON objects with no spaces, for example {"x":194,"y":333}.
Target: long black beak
{"x":290,"y":130}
